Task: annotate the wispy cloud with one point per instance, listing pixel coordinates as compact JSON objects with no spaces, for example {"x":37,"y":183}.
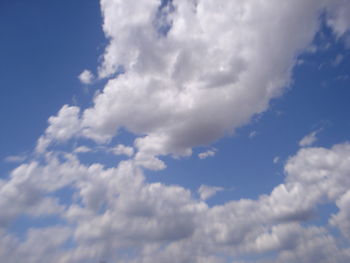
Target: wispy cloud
{"x":15,"y":158}
{"x":309,"y":139}
{"x":206,"y":191}
{"x":207,"y":154}
{"x":253,"y":134}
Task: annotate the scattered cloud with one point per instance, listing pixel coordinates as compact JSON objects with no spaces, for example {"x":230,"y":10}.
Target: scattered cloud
{"x":15,"y":158}
{"x":276,"y":159}
{"x":338,"y":59}
{"x":82,"y":149}
{"x":86,"y":77}
{"x":253,"y":134}
{"x":342,"y":77}
{"x":116,"y":209}
{"x":206,"y":154}
{"x":309,"y":139}
{"x":205,"y":191}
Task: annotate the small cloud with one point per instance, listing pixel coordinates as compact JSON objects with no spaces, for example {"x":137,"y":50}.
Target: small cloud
{"x":309,"y":139}
{"x":337,"y":60}
{"x":276,"y":159}
{"x":206,"y":191}
{"x":209,"y":153}
{"x":253,"y":134}
{"x":82,"y":149}
{"x":279,"y":113}
{"x":342,"y":78}
{"x":121,"y":149}
{"x":312,"y":49}
{"x":86,"y":77}
{"x":15,"y":158}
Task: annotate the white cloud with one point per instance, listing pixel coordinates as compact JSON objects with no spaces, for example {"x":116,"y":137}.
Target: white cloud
{"x":276,"y":159}
{"x":61,"y":127}
{"x":121,"y":149}
{"x":203,"y":79}
{"x":253,"y":134}
{"x":86,"y":77}
{"x":206,"y":154}
{"x":116,"y":209}
{"x":82,"y":149}
{"x":309,"y":139}
{"x":220,"y":64}
{"x":342,"y":218}
{"x":15,"y":158}
{"x":206,"y":191}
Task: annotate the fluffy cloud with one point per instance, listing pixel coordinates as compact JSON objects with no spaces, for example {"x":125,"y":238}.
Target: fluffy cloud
{"x":116,"y":210}
{"x":189,"y":72}
{"x":202,"y":79}
{"x":121,"y":149}
{"x":86,"y":77}
{"x":82,"y":149}
{"x":342,"y":218}
{"x":61,"y":127}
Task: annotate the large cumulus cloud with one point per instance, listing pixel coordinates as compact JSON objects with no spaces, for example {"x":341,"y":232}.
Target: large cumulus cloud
{"x":189,"y":72}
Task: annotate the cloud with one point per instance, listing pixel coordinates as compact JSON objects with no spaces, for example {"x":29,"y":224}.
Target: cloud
{"x":309,"y":139}
{"x":253,"y":134}
{"x":338,"y":59}
{"x":338,"y":17}
{"x":342,"y":218}
{"x":82,"y":149}
{"x":61,"y":128}
{"x":201,"y":79}
{"x":276,"y":159}
{"x":86,"y":77}
{"x":115,"y":209}
{"x":205,"y":191}
{"x":121,"y":149}
{"x":195,"y":76}
{"x":206,"y":154}
{"x":15,"y":158}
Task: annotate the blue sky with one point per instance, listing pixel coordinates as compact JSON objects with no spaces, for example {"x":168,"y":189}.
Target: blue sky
{"x":175,"y":131}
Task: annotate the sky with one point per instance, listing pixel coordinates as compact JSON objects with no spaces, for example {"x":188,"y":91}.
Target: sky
{"x":182,"y":131}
